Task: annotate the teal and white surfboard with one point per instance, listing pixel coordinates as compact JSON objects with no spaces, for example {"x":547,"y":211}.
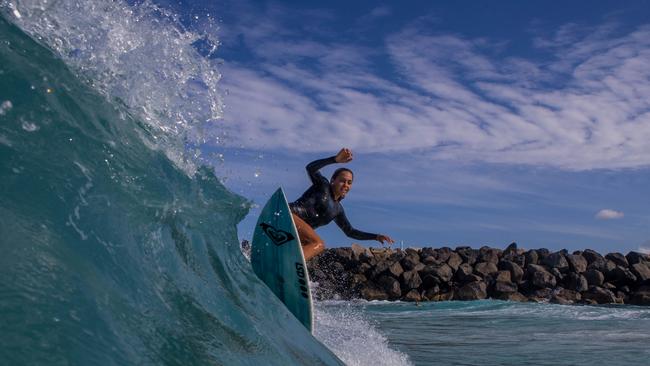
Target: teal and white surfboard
{"x":278,"y":260}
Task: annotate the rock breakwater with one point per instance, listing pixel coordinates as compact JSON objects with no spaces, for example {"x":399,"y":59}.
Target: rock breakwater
{"x":464,"y":273}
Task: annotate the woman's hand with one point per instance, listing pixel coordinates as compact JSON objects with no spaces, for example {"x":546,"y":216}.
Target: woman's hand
{"x":385,"y":238}
{"x":344,"y":156}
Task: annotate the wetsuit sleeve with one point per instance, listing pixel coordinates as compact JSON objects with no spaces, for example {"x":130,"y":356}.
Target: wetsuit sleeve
{"x":313,"y":169}
{"x":342,"y":221}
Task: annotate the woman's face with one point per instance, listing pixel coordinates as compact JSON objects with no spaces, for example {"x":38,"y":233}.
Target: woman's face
{"x":341,"y":184}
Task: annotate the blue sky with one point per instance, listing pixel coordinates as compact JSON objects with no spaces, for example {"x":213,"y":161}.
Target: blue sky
{"x":472,"y":122}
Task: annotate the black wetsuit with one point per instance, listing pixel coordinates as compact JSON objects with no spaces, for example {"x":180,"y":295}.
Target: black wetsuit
{"x":318,"y":207}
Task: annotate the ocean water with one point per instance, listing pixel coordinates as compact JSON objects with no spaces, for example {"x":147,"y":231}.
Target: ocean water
{"x":490,"y":332}
{"x":119,"y":246}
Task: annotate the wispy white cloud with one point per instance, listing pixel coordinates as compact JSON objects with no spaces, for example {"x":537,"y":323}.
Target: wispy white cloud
{"x":607,"y":214}
{"x":644,"y":248}
{"x":588,"y":108}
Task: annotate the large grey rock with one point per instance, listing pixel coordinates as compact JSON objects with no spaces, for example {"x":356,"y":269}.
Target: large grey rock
{"x":373,"y":293}
{"x":360,"y":253}
{"x":503,"y":287}
{"x":592,"y":256}
{"x":603,"y":265}
{"x":396,"y":269}
{"x":576,"y":282}
{"x":464,"y":270}
{"x":621,"y":276}
{"x":557,"y":260}
{"x":411,"y":279}
{"x":468,"y":254}
{"x":412,"y":296}
{"x":472,"y":291}
{"x":618,"y":259}
{"x":516,"y":272}
{"x":636,"y":257}
{"x":503,"y":276}
{"x":577,"y":263}
{"x":390,"y":286}
{"x":531,"y":257}
{"x":489,"y":255}
{"x":380,"y":268}
{"x":443,"y":254}
{"x":642,"y":272}
{"x":454,"y":260}
{"x":515,"y":296}
{"x":410,"y":261}
{"x":441,"y":271}
{"x":641,"y":296}
{"x":540,"y":277}
{"x":485,"y":269}
{"x":594,"y":277}
{"x":599,"y":295}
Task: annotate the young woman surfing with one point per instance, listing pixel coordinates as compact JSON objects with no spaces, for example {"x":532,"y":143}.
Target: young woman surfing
{"x":321,"y":203}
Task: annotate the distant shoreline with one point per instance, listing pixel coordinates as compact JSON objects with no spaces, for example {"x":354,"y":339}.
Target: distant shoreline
{"x":465,"y":273}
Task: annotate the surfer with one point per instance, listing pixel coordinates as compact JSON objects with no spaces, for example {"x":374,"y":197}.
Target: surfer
{"x":321,"y":203}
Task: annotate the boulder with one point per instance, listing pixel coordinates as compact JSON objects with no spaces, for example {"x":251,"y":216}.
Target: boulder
{"x":468,"y":254}
{"x":557,"y":260}
{"x":441,"y":271}
{"x":542,"y":253}
{"x":411,"y":279}
{"x":540,"y":277}
{"x":380,"y":268}
{"x":641,"y":296}
{"x":485,"y":269}
{"x":594,"y":277}
{"x":430,"y":293}
{"x":430,"y":281}
{"x":454,"y":260}
{"x":603,"y":265}
{"x":599,"y":295}
{"x":514,"y":296}
{"x":531,"y":257}
{"x":372,"y":293}
{"x":396,"y":269}
{"x":510,"y":249}
{"x":410,"y":261}
{"x":516,"y":272}
{"x":636,"y":257}
{"x":360,"y":253}
{"x":642,"y":272}
{"x":390,"y":286}
{"x":592,"y":256}
{"x":412,"y":296}
{"x":504,"y":287}
{"x":472,"y":291}
{"x":503,"y":276}
{"x":622,"y":276}
{"x":618,"y":259}
{"x":576,"y":282}
{"x":430,"y":260}
{"x":464,"y":270}
{"x":568,"y":296}
{"x":444,"y":253}
{"x":577,"y":263}
{"x":489,"y":255}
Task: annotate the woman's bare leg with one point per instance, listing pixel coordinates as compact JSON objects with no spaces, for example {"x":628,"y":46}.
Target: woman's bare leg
{"x":312,"y":244}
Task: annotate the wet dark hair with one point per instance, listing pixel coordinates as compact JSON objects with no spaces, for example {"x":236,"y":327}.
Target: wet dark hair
{"x":338,"y":171}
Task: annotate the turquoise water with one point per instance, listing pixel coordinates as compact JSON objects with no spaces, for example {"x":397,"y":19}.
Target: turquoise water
{"x":112,"y":252}
{"x":507,"y":333}
{"x":120,"y":248}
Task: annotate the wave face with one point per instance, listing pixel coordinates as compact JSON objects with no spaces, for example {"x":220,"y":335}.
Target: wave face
{"x":113,"y":252}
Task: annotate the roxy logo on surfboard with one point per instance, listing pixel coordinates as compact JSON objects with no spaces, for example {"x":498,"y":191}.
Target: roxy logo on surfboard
{"x":278,"y":236}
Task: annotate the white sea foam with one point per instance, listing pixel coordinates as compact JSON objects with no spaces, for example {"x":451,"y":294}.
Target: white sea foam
{"x":142,"y":55}
{"x":344,"y":329}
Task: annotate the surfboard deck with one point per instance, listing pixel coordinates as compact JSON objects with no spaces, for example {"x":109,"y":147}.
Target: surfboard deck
{"x":278,"y":260}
